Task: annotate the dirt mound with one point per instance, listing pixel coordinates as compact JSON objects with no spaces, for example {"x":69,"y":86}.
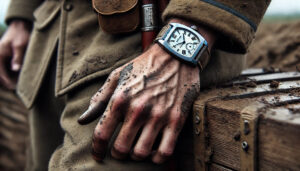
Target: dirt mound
{"x":276,"y":45}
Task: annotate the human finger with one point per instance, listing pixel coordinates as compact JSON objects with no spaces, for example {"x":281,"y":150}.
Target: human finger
{"x":136,"y":116}
{"x":169,"y":137}
{"x":5,"y":54}
{"x":100,"y":99}
{"x":176,"y":120}
{"x":107,"y":125}
{"x":148,"y":136}
{"x":18,"y":54}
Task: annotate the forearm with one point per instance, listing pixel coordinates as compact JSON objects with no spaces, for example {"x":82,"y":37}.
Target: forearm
{"x":235,"y":22}
{"x":21,"y":10}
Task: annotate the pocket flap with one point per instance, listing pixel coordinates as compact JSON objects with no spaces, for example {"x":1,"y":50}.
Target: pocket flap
{"x":46,"y":13}
{"x":109,"y":7}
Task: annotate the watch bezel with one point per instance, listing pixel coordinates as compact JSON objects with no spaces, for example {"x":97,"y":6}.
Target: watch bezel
{"x":164,"y":41}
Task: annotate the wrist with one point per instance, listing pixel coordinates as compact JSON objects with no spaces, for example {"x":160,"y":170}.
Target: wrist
{"x":208,"y":34}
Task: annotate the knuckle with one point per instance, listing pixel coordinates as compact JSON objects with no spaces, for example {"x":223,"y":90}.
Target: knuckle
{"x":175,"y":117}
{"x":121,"y":148}
{"x":137,"y":108}
{"x":134,"y":119}
{"x":157,"y":117}
{"x":141,"y":153}
{"x":118,"y":99}
{"x":115,"y":73}
{"x":165,"y":153}
{"x":99,"y":137}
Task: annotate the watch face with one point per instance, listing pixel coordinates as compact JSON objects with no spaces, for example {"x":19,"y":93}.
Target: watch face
{"x":183,"y":42}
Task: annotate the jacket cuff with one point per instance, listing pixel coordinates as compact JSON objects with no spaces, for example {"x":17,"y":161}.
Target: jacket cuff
{"x":21,"y":9}
{"x":235,"y":30}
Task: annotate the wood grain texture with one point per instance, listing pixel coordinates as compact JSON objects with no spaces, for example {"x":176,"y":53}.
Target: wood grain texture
{"x":279,"y":141}
{"x":278,"y":136}
{"x":216,"y":167}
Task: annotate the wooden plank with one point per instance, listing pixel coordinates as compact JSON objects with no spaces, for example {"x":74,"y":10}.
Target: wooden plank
{"x":279,"y":139}
{"x":216,"y":167}
{"x":223,"y":130}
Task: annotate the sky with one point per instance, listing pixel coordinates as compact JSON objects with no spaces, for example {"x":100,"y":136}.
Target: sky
{"x":284,"y":7}
{"x":3,"y":7}
{"x":277,"y":7}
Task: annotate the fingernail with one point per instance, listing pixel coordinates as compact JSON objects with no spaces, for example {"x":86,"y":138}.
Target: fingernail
{"x":16,"y":67}
{"x":82,"y":117}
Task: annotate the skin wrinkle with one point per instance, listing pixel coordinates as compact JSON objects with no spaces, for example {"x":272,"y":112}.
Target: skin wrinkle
{"x":152,"y":78}
{"x":164,"y":77}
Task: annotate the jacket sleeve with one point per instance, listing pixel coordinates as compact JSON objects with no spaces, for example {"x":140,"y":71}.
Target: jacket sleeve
{"x":21,"y":9}
{"x":235,"y":21}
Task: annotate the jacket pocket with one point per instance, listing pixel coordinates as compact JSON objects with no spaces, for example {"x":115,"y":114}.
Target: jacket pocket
{"x":45,"y":14}
{"x":117,"y":16}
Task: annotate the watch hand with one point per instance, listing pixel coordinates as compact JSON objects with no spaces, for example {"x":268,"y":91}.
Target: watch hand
{"x":178,"y":39}
{"x":183,"y":42}
{"x":179,"y":43}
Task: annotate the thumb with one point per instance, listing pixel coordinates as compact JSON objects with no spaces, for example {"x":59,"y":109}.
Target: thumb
{"x":18,"y":54}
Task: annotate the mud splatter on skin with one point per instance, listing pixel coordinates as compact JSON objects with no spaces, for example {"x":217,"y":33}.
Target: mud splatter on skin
{"x":125,"y":73}
{"x":152,"y":76}
{"x":188,"y":99}
{"x":102,"y":119}
{"x":126,"y":91}
{"x":92,"y":113}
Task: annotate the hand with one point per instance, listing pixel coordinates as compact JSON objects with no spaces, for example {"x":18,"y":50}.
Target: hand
{"x":12,"y":48}
{"x":153,"y":93}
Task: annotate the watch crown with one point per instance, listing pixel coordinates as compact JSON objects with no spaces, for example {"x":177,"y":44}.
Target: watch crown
{"x":194,"y":27}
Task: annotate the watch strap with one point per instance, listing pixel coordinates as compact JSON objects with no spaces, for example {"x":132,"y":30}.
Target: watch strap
{"x":162,"y":32}
{"x":203,"y":59}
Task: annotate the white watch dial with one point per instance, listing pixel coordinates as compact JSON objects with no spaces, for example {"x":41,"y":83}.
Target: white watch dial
{"x":183,"y":42}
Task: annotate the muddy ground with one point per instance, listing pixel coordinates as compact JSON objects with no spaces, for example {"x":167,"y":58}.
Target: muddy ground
{"x":276,"y":45}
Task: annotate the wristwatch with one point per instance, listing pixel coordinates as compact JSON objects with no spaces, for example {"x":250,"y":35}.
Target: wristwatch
{"x":184,"y":43}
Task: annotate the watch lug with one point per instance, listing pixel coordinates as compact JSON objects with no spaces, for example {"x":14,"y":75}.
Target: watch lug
{"x":160,"y":41}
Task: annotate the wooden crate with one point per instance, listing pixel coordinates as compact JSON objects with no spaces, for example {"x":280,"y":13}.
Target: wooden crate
{"x":252,"y":123}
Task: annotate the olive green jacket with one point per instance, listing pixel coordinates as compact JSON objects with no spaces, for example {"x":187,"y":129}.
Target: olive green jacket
{"x":85,"y":52}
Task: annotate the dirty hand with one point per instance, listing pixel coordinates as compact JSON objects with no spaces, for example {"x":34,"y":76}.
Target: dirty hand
{"x":12,"y":48}
{"x":152,"y":95}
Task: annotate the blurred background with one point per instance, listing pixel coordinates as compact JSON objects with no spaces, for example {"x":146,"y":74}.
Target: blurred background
{"x":277,"y":45}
